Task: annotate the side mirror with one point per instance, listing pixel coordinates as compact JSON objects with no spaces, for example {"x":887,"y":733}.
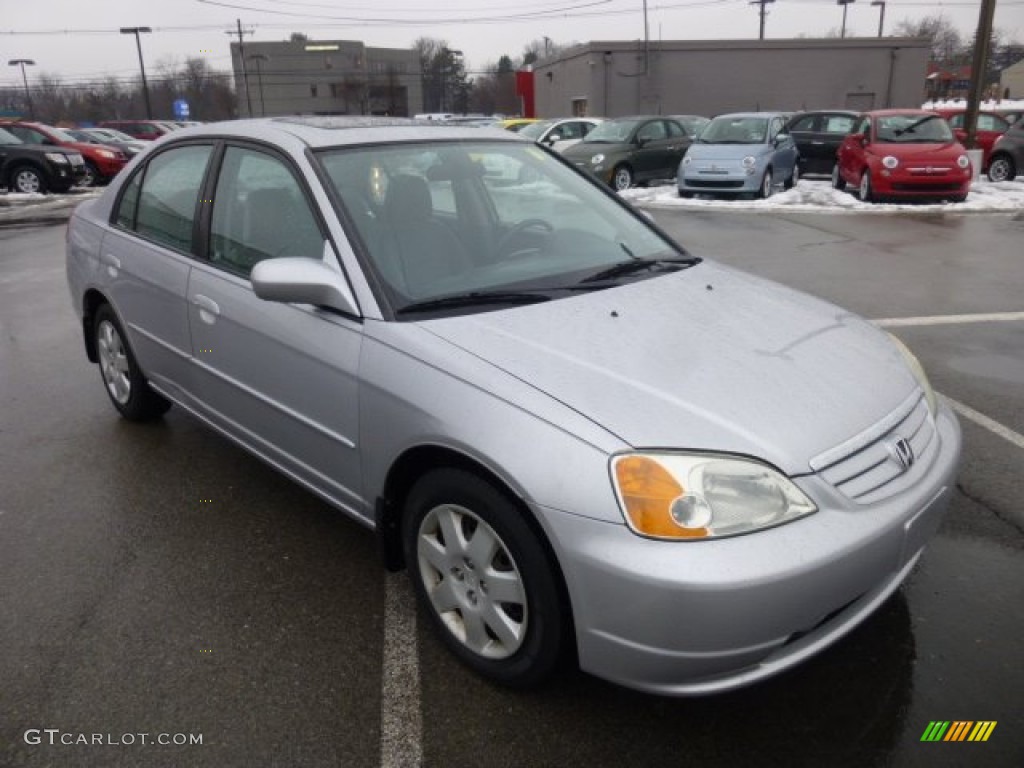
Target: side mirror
{"x":554,"y":138}
{"x":781,"y":138}
{"x":302,"y":281}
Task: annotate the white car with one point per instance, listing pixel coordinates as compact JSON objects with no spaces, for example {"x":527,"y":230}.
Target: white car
{"x":562,"y":133}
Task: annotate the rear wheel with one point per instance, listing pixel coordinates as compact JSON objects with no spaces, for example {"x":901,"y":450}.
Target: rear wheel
{"x":27,"y":180}
{"x":867,"y":194}
{"x":124,"y":382}
{"x":622,"y":178}
{"x":838,"y":182}
{"x":1001,"y":168}
{"x":484,"y":577}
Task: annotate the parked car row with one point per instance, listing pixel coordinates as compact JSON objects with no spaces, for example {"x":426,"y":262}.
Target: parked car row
{"x":39,"y":158}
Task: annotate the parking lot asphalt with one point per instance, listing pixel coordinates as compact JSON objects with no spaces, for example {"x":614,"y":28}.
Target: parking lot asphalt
{"x":157,"y":579}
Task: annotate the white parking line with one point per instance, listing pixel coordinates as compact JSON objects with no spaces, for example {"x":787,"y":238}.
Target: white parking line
{"x":993,"y":317}
{"x":984,"y":421}
{"x":401,"y":719}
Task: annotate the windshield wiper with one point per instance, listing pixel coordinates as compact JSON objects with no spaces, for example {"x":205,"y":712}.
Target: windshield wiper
{"x":638,"y":265}
{"x":472,"y":299}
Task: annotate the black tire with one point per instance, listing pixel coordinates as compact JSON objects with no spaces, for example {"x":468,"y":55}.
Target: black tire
{"x":622,"y":177}
{"x":524,"y":637}
{"x":765,"y":190}
{"x":838,"y":182}
{"x":1002,"y":168}
{"x":866,"y":191}
{"x":92,"y":176}
{"x":122,"y":379}
{"x":685,"y":194}
{"x":794,"y":177}
{"x":26,"y":179}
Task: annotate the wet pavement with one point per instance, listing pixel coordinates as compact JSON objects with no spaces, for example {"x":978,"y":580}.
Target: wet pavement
{"x":156,"y":579}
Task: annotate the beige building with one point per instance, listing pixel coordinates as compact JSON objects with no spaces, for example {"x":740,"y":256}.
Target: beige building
{"x":1011,"y":81}
{"x":710,"y":77}
{"x":326,"y":77}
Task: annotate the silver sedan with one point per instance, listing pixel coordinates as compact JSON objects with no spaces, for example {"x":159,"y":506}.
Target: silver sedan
{"x":572,"y":433}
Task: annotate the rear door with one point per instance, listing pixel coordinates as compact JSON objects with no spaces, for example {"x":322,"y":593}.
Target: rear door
{"x":281,"y":378}
{"x":147,"y":256}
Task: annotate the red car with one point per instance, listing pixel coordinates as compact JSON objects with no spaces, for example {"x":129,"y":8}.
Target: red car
{"x":145,"y":130}
{"x":101,"y":162}
{"x":990,"y":127}
{"x":903,"y":153}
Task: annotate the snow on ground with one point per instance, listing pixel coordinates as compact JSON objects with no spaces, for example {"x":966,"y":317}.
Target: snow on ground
{"x":818,"y":196}
{"x":17,"y":208}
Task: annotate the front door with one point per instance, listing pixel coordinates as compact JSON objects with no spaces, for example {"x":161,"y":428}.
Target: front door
{"x":282,"y":378}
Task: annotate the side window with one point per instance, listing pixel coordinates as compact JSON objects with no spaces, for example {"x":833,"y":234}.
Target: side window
{"x":839,"y":124}
{"x":170,"y":190}
{"x":991,"y":123}
{"x":653,"y":131}
{"x":27,"y":135}
{"x":957,"y":121}
{"x":260,"y":212}
{"x":776,"y":126}
{"x":805,"y":123}
{"x":129,"y":202}
{"x":864,"y":126}
{"x":675,"y":130}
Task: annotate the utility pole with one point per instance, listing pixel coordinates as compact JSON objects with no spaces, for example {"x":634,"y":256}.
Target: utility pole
{"x":241,"y":55}
{"x":978,"y":66}
{"x":843,"y":3}
{"x":145,"y":86}
{"x":259,"y":57}
{"x":763,"y":13}
{"x":881,"y":14}
{"x":24,"y":79}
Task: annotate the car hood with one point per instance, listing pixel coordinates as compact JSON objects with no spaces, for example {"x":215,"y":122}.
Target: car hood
{"x":708,"y":358}
{"x":725,"y":151}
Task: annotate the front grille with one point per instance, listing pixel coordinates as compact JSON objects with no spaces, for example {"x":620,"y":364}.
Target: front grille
{"x":864,"y":468}
{"x":937,"y":187}
{"x":76,"y":160}
{"x":714,"y":183}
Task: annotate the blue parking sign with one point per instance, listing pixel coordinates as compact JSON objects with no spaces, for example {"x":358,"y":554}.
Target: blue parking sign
{"x":180,"y":109}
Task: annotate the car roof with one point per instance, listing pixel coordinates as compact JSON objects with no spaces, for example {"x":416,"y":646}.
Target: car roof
{"x":908,"y":111}
{"x":318,"y":132}
{"x":754,"y":114}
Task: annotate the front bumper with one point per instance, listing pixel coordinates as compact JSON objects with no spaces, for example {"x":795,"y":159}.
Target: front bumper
{"x":696,"y":179}
{"x":906,"y":185}
{"x":691,"y":618}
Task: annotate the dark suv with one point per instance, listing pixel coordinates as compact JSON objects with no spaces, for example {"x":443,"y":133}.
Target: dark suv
{"x":101,"y":163}
{"x":1007,"y":158}
{"x":30,"y":168}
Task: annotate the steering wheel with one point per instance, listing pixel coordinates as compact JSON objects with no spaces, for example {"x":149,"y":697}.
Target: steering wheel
{"x":518,"y":229}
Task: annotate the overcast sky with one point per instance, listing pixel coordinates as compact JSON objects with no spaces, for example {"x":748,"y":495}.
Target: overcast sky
{"x":79,"y":39}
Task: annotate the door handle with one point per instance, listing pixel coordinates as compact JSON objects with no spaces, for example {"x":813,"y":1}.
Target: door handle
{"x":208,"y":308}
{"x":112,"y":263}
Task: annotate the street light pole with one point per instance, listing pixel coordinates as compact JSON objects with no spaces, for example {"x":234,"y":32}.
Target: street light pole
{"x":258,"y":57}
{"x":844,"y":3}
{"x":24,"y":79}
{"x":138,"y":44}
{"x":881,"y":14}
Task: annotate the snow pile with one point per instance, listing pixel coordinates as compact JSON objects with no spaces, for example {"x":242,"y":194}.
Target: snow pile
{"x":990,"y":105}
{"x":814,"y":196}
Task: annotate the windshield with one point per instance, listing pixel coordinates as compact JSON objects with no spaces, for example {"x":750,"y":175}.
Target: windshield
{"x":62,"y":134}
{"x":536,"y":130}
{"x":7,"y":137}
{"x":612,"y":132}
{"x":913,"y":129}
{"x":496,"y":221}
{"x":735,"y":130}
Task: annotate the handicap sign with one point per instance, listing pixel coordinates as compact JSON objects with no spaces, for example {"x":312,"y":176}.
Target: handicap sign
{"x":180,"y":109}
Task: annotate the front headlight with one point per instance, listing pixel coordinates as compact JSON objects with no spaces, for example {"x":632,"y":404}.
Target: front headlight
{"x":963,"y":161}
{"x":918,"y":372}
{"x":749,"y":161}
{"x":597,"y":159}
{"x":106,"y":153}
{"x":890,"y":162}
{"x":700,"y":496}
{"x":56,"y":157}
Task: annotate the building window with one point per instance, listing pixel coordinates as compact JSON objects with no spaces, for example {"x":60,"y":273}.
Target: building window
{"x":312,"y":90}
{"x":579,"y":107}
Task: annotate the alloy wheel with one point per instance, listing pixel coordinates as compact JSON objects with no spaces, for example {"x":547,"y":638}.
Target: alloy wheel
{"x":28,"y":181}
{"x":113,"y":362}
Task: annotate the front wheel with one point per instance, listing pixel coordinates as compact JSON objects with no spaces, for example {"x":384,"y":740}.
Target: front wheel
{"x":1001,"y":168}
{"x":124,"y":382}
{"x":838,"y":182}
{"x":27,"y":180}
{"x":92,"y":175}
{"x":867,"y":194}
{"x":766,"y":185}
{"x":484,"y":577}
{"x":794,"y":177}
{"x":622,"y":178}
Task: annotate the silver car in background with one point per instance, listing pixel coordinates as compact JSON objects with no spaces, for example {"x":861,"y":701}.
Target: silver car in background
{"x":572,"y":433}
